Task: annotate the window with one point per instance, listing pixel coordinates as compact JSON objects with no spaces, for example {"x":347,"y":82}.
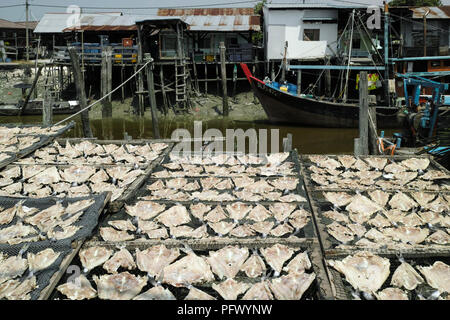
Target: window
{"x":311,"y":35}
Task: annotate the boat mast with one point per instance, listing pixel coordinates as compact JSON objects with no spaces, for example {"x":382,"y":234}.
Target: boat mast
{"x":349,"y":57}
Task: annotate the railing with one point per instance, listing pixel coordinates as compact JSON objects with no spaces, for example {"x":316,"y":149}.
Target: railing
{"x":239,"y":54}
{"x":92,"y":54}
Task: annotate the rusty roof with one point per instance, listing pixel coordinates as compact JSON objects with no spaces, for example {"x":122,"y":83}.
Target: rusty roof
{"x":435,"y":12}
{"x":6,"y":24}
{"x":216,"y":19}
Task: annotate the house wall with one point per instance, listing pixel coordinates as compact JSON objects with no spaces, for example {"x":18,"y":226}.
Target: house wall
{"x":288,"y":25}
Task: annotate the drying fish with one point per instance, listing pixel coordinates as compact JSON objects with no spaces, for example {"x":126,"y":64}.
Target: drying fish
{"x":122,"y":225}
{"x":374,"y":234}
{"x":391,"y":294}
{"x":192,"y":186}
{"x":24,"y":211}
{"x":405,"y":177}
{"x":51,"y":213}
{"x":67,"y":232}
{"x":260,"y":187}
{"x":430,"y":217}
{"x":439,"y":205}
{"x":198,"y":210}
{"x":357,"y":229}
{"x":259,"y":213}
{"x":172,"y":166}
{"x":94,"y":256}
{"x":227,"y":261}
{"x":158,"y":185}
{"x":407,"y":234}
{"x":6,"y":216}
{"x":276,"y":256}
{"x":394,"y":168}
{"x":277,"y":158}
{"x":160,"y":233}
{"x":42,"y":259}
{"x":339,"y":199}
{"x":299,"y":264}
{"x":437,"y":276}
{"x":325,"y":162}
{"x":416,"y":164}
{"x":174,"y":216}
{"x":130,"y":177}
{"x":410,"y":220}
{"x":363,"y":207}
{"x":380,"y":197}
{"x":161,"y":194}
{"x":78,"y":289}
{"x":48,"y":176}
{"x":196,"y":294}
{"x":435,"y":175}
{"x":209,"y":183}
{"x":336,"y":216}
{"x":406,"y":277}
{"x":248,"y":196}
{"x":118,"y":172}
{"x":292,"y":286}
{"x":23,"y":290}
{"x":259,"y":291}
{"x":423,"y":198}
{"x":222,"y":228}
{"x":177,"y":183}
{"x":77,"y":174}
{"x":145,"y":226}
{"x":44,"y":192}
{"x":121,"y":286}
{"x":254,"y":266}
{"x":347,"y":161}
{"x":285,"y":183}
{"x":74,"y":207}
{"x":360,"y":165}
{"x":156,"y":293}
{"x":190,"y":269}
{"x":154,"y":259}
{"x":145,"y":209}
{"x":110,"y":234}
{"x":121,"y":259}
{"x":364,"y":271}
{"x":263,"y":227}
{"x":281,"y":211}
{"x":238,"y":210}
{"x":242,"y":231}
{"x":31,"y":188}
{"x":377,"y":163}
{"x":273,"y":196}
{"x":12,"y":267}
{"x":379,"y":221}
{"x":200,"y":232}
{"x":181,"y":231}
{"x":339,"y":232}
{"x":230,"y":289}
{"x":299,"y":218}
{"x":216,"y":215}
{"x":439,"y":237}
{"x":11,"y":172}
{"x":281,"y":230}
{"x":158,"y":147}
{"x":17,"y":231}
{"x":31,"y":171}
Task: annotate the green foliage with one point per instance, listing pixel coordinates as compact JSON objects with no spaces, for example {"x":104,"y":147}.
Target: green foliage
{"x":415,"y":3}
{"x":257,"y":37}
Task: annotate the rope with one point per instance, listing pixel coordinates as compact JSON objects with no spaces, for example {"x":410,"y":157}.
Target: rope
{"x":104,"y":97}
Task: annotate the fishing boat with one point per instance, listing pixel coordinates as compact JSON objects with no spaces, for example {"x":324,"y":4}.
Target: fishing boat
{"x":286,"y":106}
{"x":34,"y":107}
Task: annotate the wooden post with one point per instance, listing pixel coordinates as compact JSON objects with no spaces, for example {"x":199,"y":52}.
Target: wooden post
{"x":217,"y":79}
{"x":151,"y":95}
{"x":140,"y":80}
{"x":81,"y":94}
{"x":163,"y":88}
{"x":235,"y":81}
{"x":106,"y":81}
{"x":206,"y":79}
{"x":373,"y":128}
{"x":224,"y":78}
{"x":33,"y":86}
{"x":299,"y":82}
{"x":272,"y":71}
{"x":122,"y":70}
{"x":194,"y":68}
{"x":47,"y":111}
{"x":284,"y":63}
{"x":363,"y":113}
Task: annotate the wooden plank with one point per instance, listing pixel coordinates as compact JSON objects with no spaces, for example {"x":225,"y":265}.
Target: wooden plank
{"x":363,"y":114}
{"x":152,"y":97}
{"x":225,"y":110}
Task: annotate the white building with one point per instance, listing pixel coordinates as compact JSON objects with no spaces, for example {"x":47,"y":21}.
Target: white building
{"x":310,"y":28}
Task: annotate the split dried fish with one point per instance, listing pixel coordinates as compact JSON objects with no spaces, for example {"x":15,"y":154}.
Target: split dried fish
{"x":282,"y":211}
{"x":407,"y":234}
{"x":238,"y":210}
{"x":259,"y":291}
{"x":263,"y":227}
{"x":340,"y":233}
{"x":406,"y":277}
{"x":122,"y":225}
{"x":154,"y":259}
{"x":339,"y":199}
{"x":227,"y":261}
{"x":156,"y":293}
{"x":347,"y":161}
{"x":299,"y":218}
{"x":198,"y":210}
{"x":12,"y":267}
{"x":196,"y":294}
{"x":222,"y":228}
{"x":281,"y":230}
{"x":416,"y":164}
{"x":216,"y":215}
{"x":291,"y":286}
{"x":259,"y":213}
{"x":42,"y":260}
{"x":391,"y":294}
{"x":254,"y":266}
{"x":276,"y":256}
{"x":437,"y":276}
{"x":110,"y":234}
{"x":439,"y":237}
{"x":364,"y":271}
{"x":94,"y":256}
{"x":120,"y":286}
{"x":145,"y":210}
{"x":230,"y":289}
{"x":336,"y":216}
{"x":79,"y":289}
{"x":120,"y":259}
{"x":380,"y":197}
{"x":175,"y":216}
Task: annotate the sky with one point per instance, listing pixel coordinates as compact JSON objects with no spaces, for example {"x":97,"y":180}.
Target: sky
{"x":39,"y":7}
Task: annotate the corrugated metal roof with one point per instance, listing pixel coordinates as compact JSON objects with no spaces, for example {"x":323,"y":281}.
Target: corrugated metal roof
{"x":6,"y":24}
{"x":58,"y":22}
{"x":316,"y":4}
{"x":435,"y":12}
{"x":216,"y":19}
